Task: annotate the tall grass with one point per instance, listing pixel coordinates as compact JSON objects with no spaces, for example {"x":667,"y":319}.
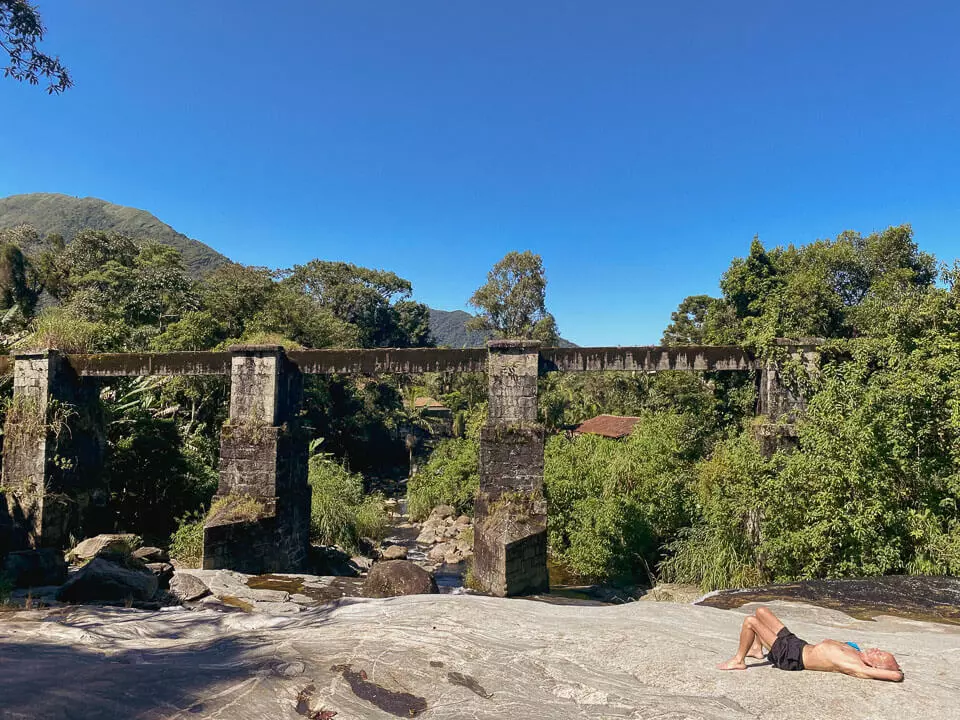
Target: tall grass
{"x":60,"y":329}
{"x":340,"y":513}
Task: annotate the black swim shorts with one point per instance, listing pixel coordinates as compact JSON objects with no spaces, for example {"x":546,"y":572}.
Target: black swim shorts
{"x":787,"y":651}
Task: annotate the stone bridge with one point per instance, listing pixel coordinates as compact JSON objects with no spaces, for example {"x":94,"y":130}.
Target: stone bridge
{"x":53,"y":440}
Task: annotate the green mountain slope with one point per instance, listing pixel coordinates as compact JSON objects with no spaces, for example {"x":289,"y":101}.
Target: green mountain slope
{"x":67,"y":215}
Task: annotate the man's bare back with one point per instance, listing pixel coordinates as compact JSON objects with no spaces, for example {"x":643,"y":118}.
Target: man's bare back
{"x":788,"y":652}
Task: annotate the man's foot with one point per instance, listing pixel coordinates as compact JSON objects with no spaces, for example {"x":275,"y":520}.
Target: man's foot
{"x":756,"y":653}
{"x":732,"y":664}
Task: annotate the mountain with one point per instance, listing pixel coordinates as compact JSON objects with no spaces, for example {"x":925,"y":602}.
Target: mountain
{"x":449,"y":330}
{"x":67,"y":215}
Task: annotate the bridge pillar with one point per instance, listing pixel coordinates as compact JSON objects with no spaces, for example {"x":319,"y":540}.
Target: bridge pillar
{"x":510,"y":542}
{"x":778,"y":402}
{"x":260,"y":520}
{"x":52,"y":447}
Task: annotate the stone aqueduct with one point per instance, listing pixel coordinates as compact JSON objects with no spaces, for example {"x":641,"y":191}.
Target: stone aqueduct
{"x":263,"y":453}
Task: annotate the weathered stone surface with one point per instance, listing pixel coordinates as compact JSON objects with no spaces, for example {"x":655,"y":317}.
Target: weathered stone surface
{"x":394,"y":552}
{"x":31,"y":568}
{"x":108,"y":542}
{"x":186,"y":587}
{"x":443,"y":511}
{"x":398,"y":577}
{"x":163,"y":571}
{"x":151,"y":555}
{"x":673,"y":592}
{"x":101,"y":579}
{"x":531,"y":660}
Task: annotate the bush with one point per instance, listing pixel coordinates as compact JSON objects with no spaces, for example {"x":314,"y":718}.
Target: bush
{"x":62,"y":330}
{"x":186,"y":543}
{"x":450,"y":477}
{"x":613,"y":503}
{"x":340,"y":513}
{"x":721,"y":549}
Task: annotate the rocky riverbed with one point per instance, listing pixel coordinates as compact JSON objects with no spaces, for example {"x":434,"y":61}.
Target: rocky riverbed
{"x":451,"y":657}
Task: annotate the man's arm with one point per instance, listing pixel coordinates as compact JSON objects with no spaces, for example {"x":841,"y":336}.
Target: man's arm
{"x":862,"y":670}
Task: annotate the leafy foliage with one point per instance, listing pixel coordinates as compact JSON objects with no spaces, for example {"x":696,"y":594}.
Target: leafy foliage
{"x":450,"y":477}
{"x":512,"y":301}
{"x":21,"y":30}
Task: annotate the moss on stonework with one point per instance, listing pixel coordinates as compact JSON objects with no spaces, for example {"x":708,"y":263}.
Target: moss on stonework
{"x":235,"y":508}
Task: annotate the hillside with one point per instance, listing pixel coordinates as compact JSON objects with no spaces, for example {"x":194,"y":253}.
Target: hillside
{"x":66,"y":215}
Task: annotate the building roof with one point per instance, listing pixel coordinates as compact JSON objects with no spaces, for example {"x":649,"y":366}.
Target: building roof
{"x":611,"y":426}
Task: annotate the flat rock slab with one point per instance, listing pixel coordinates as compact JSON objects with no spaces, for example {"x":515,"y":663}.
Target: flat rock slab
{"x":452,"y":657}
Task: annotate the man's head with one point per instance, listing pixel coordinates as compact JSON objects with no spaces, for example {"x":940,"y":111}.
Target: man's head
{"x":881,"y":659}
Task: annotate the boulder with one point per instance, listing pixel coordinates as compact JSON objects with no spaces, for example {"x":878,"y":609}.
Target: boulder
{"x":463,"y":521}
{"x":394,"y":552}
{"x":32,"y":568}
{"x":187,"y":588}
{"x":398,"y":577}
{"x":151,"y":555}
{"x":91,"y":547}
{"x":101,"y":579}
{"x":444,"y":511}
{"x":163,"y":571}
{"x":438,"y":552}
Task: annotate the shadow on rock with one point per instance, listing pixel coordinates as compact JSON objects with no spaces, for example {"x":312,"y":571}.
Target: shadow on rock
{"x":93,"y":677}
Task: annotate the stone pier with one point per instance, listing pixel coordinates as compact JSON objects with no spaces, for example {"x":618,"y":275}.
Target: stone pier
{"x":52,"y":449}
{"x":510,"y":542}
{"x":261,"y":517}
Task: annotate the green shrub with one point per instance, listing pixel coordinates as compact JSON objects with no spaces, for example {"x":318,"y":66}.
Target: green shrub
{"x":613,"y":503}
{"x":340,"y":513}
{"x":62,"y":330}
{"x":186,"y":543}
{"x":721,"y":548}
{"x":450,"y":477}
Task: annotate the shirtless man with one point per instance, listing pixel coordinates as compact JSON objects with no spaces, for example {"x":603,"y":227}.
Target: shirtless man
{"x":788,"y":652}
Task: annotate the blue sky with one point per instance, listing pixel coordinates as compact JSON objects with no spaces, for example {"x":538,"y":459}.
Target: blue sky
{"x":636,"y":146}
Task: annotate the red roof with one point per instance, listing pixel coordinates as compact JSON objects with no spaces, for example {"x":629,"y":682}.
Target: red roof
{"x":611,"y":426}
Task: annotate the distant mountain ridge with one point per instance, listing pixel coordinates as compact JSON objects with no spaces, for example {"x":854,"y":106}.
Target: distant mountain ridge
{"x":68,"y":215}
{"x":449,"y":329}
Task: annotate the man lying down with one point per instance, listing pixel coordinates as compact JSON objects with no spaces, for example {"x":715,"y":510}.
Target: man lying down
{"x":788,"y":652}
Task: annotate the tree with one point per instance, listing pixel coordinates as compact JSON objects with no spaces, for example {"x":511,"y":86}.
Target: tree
{"x":512,"y":302}
{"x":376,"y":302}
{"x":21,"y":30}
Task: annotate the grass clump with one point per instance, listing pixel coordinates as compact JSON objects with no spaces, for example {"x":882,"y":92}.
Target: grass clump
{"x":186,"y":542}
{"x":340,"y":513}
{"x":59,"y":329}
{"x":450,"y":477}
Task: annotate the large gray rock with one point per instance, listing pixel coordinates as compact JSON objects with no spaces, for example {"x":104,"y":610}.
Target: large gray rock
{"x":33,"y":568}
{"x":151,"y":555}
{"x":101,"y":579}
{"x":108,"y":542}
{"x":462,"y":657}
{"x":186,"y":587}
{"x":398,"y":577}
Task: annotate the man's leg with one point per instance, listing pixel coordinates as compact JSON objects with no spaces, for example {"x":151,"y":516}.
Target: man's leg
{"x":764,"y":615}
{"x":750,"y":631}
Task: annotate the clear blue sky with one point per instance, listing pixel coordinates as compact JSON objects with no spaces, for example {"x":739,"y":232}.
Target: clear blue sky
{"x":637,"y":146}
